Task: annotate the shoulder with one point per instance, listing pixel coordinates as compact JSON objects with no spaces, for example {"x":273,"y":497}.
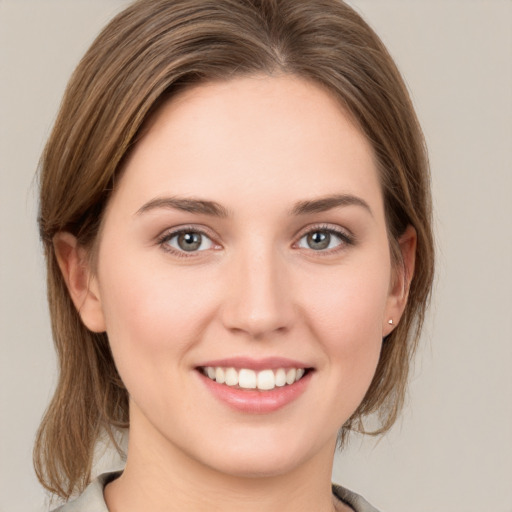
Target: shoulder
{"x":358,"y":503}
{"x":91,"y":500}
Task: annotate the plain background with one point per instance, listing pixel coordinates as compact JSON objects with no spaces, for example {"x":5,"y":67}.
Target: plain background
{"x":452,"y":449}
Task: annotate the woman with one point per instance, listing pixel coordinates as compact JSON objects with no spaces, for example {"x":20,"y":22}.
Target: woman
{"x":235,"y":209}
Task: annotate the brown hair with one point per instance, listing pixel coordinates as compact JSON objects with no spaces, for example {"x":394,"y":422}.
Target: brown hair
{"x":146,"y":54}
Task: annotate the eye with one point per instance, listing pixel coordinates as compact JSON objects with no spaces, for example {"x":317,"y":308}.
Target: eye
{"x":323,"y":239}
{"x":187,"y":241}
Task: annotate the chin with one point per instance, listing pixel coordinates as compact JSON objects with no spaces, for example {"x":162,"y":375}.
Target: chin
{"x":268,"y":465}
{"x":262,"y":454}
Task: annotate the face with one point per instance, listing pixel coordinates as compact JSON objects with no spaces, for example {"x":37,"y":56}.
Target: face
{"x":244,"y":276}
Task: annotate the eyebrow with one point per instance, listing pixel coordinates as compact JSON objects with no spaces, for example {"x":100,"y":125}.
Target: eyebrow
{"x":214,"y":209}
{"x":190,"y":205}
{"x":323,"y":204}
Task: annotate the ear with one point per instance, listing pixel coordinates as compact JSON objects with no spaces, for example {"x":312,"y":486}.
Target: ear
{"x":82,"y":284}
{"x":401,"y":280}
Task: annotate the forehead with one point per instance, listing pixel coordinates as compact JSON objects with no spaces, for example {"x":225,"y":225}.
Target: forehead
{"x":251,"y":138}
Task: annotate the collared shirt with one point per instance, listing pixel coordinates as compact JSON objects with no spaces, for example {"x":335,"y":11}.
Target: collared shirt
{"x":92,"y":500}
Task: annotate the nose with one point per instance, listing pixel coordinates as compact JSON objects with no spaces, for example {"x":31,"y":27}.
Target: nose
{"x":258,"y":300}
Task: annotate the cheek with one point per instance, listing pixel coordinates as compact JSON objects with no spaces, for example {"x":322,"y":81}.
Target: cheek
{"x":154,"y":319}
{"x":346,"y":314}
{"x":151,"y":312}
{"x":348,"y":301}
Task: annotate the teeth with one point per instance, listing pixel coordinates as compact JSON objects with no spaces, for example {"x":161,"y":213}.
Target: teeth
{"x":263,"y":380}
{"x":266,"y":380}
{"x":220,"y":376}
{"x":280,"y":377}
{"x":247,"y":379}
{"x":231,"y":377}
{"x":290,"y":376}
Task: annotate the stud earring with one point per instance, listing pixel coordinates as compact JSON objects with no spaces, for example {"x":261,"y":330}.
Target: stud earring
{"x":390,"y":321}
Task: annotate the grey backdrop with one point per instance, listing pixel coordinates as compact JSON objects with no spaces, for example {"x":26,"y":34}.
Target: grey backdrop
{"x":452,"y":449}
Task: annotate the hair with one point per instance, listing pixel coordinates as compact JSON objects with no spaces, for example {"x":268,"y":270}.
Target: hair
{"x":145,"y":55}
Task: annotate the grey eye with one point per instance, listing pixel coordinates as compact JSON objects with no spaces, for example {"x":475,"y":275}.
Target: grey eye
{"x":190,"y":241}
{"x":320,"y":240}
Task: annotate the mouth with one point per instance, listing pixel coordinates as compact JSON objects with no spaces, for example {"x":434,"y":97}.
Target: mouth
{"x":248,"y":379}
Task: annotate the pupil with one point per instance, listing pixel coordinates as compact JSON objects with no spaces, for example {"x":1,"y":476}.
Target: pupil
{"x":189,"y":241}
{"x":319,"y":240}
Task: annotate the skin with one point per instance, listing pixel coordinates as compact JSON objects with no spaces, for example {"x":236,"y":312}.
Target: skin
{"x":258,"y":146}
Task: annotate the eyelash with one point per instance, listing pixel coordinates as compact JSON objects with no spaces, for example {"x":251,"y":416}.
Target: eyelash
{"x":169,"y":235}
{"x":345,"y":239}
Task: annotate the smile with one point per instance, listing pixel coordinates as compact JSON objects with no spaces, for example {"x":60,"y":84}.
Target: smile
{"x":244,"y":378}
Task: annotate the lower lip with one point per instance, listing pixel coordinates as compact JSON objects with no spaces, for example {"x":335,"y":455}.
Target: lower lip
{"x":254,"y":401}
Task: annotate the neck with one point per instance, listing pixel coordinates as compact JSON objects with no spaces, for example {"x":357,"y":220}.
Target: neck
{"x":162,"y":478}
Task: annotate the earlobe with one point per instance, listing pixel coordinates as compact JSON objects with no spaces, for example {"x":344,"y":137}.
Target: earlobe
{"x":81,"y":283}
{"x":401,"y":280}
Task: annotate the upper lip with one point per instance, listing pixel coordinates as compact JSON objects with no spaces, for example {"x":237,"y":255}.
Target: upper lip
{"x":267,"y":363}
